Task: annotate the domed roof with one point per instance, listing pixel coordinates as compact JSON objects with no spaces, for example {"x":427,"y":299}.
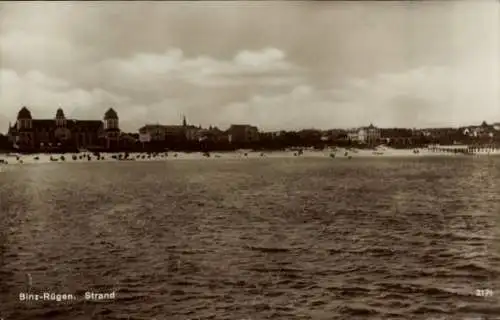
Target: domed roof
{"x":110,"y":114}
{"x":24,"y":113}
{"x":60,"y":114}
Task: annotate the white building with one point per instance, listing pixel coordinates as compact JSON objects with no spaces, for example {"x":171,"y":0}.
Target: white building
{"x":368,"y":134}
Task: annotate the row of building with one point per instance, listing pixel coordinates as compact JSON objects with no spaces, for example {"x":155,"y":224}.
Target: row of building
{"x":32,"y":133}
{"x":364,"y":135}
{"x":372,"y":134}
{"x":186,"y":132}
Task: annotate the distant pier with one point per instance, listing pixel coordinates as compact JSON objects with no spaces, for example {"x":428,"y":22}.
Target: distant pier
{"x":465,"y":149}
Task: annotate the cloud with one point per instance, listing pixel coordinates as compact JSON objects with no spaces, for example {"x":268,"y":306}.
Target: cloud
{"x":36,"y":78}
{"x":166,"y":111}
{"x":44,"y":94}
{"x":266,"y":67}
{"x":264,"y":57}
{"x":152,"y":73}
{"x":429,"y":96}
{"x":428,"y":66}
{"x":420,"y":97}
{"x":27,"y":50}
{"x":18,"y":42}
{"x":303,"y":106}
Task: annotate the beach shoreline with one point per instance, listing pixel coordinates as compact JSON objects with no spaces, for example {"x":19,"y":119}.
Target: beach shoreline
{"x":339,"y":153}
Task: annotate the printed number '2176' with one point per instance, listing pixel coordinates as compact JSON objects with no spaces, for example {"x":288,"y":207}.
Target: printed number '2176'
{"x":484,"y":293}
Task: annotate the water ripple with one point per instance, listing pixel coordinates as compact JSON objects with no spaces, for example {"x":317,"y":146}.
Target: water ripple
{"x":268,"y":239}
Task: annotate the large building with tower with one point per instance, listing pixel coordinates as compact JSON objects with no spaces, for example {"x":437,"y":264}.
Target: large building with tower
{"x":39,"y":134}
{"x":159,"y":132}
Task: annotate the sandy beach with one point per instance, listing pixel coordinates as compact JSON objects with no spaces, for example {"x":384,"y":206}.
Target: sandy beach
{"x":339,"y":153}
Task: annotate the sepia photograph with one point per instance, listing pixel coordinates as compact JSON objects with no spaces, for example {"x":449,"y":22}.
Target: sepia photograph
{"x":250,"y":160}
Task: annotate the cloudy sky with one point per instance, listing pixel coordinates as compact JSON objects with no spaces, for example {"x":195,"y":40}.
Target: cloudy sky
{"x":283,"y":65}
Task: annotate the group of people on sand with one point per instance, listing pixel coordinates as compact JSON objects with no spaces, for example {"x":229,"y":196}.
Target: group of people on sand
{"x":119,"y":157}
{"x":96,"y":156}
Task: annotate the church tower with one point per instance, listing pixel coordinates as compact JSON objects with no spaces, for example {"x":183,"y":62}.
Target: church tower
{"x":111,"y":120}
{"x":111,"y":128}
{"x":24,"y":120}
{"x":25,"y":137}
{"x":60,"y":118}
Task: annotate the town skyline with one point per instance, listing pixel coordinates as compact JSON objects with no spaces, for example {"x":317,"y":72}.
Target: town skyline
{"x":185,"y":122}
{"x":402,"y":64}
